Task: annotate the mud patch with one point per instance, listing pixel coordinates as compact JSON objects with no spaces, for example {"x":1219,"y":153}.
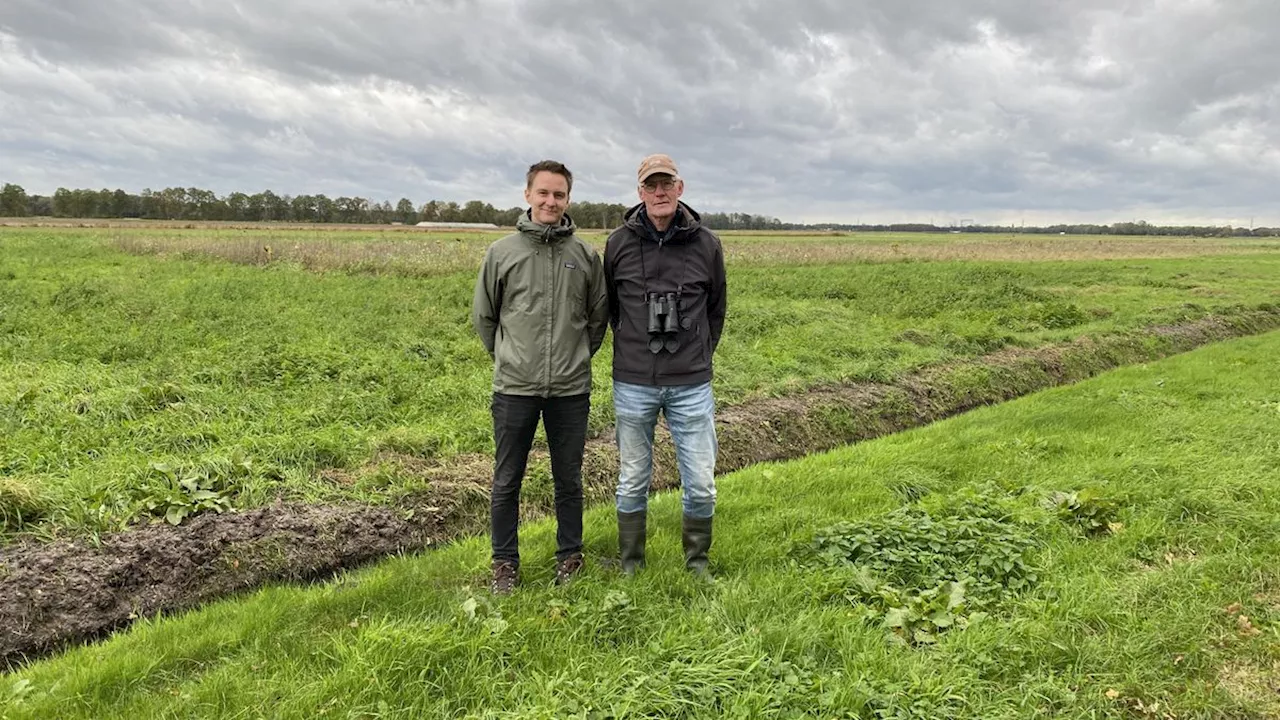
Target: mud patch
{"x":64,"y":592}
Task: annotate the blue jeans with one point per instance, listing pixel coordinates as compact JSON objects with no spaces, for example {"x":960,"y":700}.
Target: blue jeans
{"x":690,"y":414}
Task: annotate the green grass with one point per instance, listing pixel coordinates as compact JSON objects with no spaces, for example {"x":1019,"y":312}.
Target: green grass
{"x":1145,"y":615}
{"x":262,"y":377}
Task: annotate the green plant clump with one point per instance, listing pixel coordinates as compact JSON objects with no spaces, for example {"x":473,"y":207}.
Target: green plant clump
{"x":1087,"y":509}
{"x":176,"y":493}
{"x":921,"y":575}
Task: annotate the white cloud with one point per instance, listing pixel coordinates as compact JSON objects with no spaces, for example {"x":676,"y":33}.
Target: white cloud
{"x":989,"y":109}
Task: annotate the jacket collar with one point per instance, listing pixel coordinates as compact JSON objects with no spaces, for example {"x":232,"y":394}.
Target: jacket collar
{"x":684,"y":226}
{"x":546,"y":234}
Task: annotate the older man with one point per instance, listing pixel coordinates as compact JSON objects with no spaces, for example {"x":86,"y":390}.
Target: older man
{"x":666,"y":285}
{"x":540,"y":310}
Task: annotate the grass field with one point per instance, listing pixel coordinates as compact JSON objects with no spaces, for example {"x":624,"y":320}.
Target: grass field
{"x":262,"y":364}
{"x":1116,"y":540}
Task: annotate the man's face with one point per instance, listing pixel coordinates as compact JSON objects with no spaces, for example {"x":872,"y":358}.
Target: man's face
{"x":548,"y":197}
{"x":660,"y":193}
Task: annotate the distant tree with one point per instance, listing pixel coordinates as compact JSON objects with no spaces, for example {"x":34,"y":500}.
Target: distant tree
{"x":510,"y":216}
{"x":477,"y":212}
{"x":430,"y":211}
{"x":149,"y":204}
{"x":123,"y":205}
{"x":352,"y":209}
{"x":203,"y":204}
{"x":274,"y":207}
{"x":174,"y":204}
{"x":237,"y":206}
{"x":62,"y":202}
{"x":13,"y":201}
{"x":255,"y":209}
{"x":326,"y":209}
{"x":450,"y":212}
{"x":94,"y":203}
{"x":405,"y":212}
{"x":589,"y":214}
{"x":303,"y":208}
{"x":40,"y":206}
{"x":103,"y":203}
{"x":381,"y":213}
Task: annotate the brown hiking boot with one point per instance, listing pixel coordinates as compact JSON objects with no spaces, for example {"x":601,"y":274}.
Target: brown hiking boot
{"x":567,"y":567}
{"x":506,"y":576}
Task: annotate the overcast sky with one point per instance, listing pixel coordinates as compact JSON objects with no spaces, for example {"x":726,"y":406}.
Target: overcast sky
{"x":998,"y":111}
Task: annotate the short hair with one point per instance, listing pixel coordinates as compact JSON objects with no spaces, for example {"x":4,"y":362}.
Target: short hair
{"x":550,"y":166}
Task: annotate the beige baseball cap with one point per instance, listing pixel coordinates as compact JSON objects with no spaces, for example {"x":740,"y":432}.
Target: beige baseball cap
{"x":655,"y":164}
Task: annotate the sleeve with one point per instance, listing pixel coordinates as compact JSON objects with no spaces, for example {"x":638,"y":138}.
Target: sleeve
{"x":486,"y":305}
{"x":597,"y":304}
{"x":716,"y":302}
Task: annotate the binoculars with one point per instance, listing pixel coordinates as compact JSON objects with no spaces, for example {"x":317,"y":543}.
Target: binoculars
{"x":664,"y":322}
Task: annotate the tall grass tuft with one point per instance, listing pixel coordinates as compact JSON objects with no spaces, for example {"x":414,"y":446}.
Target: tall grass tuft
{"x":20,"y":504}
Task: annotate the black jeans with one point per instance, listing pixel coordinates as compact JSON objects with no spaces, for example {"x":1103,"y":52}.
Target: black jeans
{"x":515,"y":420}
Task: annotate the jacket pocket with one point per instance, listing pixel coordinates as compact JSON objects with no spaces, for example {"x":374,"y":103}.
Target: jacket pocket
{"x":700,"y":358}
{"x":513,"y":359}
{"x":576,"y":291}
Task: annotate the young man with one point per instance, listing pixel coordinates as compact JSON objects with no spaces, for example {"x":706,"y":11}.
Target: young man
{"x":541,"y":311}
{"x":666,"y":279}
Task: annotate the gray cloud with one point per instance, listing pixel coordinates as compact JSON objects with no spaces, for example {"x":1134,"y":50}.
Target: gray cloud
{"x":990,"y":109}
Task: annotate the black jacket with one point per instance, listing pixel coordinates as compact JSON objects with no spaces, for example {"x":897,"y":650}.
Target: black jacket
{"x":687,"y":260}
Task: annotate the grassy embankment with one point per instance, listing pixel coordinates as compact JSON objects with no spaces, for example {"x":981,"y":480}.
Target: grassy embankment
{"x":1149,"y":590}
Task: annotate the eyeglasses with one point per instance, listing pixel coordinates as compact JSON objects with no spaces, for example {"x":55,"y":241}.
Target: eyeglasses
{"x":651,"y":186}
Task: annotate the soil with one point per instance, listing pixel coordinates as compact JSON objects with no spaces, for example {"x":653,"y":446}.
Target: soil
{"x":56,"y":594}
{"x":62,"y":592}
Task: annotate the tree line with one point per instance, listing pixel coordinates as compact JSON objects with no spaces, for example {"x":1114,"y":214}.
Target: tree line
{"x":1140,"y":227}
{"x":197,"y":204}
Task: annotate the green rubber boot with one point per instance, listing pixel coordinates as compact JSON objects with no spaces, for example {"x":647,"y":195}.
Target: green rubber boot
{"x":631,"y":536}
{"x":697,"y":542}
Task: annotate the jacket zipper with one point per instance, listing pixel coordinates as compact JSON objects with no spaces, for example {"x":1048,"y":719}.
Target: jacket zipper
{"x":553,"y":259}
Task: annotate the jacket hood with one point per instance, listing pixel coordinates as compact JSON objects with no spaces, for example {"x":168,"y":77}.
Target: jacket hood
{"x":687,"y":221}
{"x":538,"y":232}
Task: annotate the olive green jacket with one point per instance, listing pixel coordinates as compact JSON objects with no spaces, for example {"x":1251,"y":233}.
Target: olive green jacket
{"x":541,"y":310}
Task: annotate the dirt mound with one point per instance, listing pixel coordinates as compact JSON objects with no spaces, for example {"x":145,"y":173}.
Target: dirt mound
{"x":58,"y":593}
{"x":66,"y":591}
